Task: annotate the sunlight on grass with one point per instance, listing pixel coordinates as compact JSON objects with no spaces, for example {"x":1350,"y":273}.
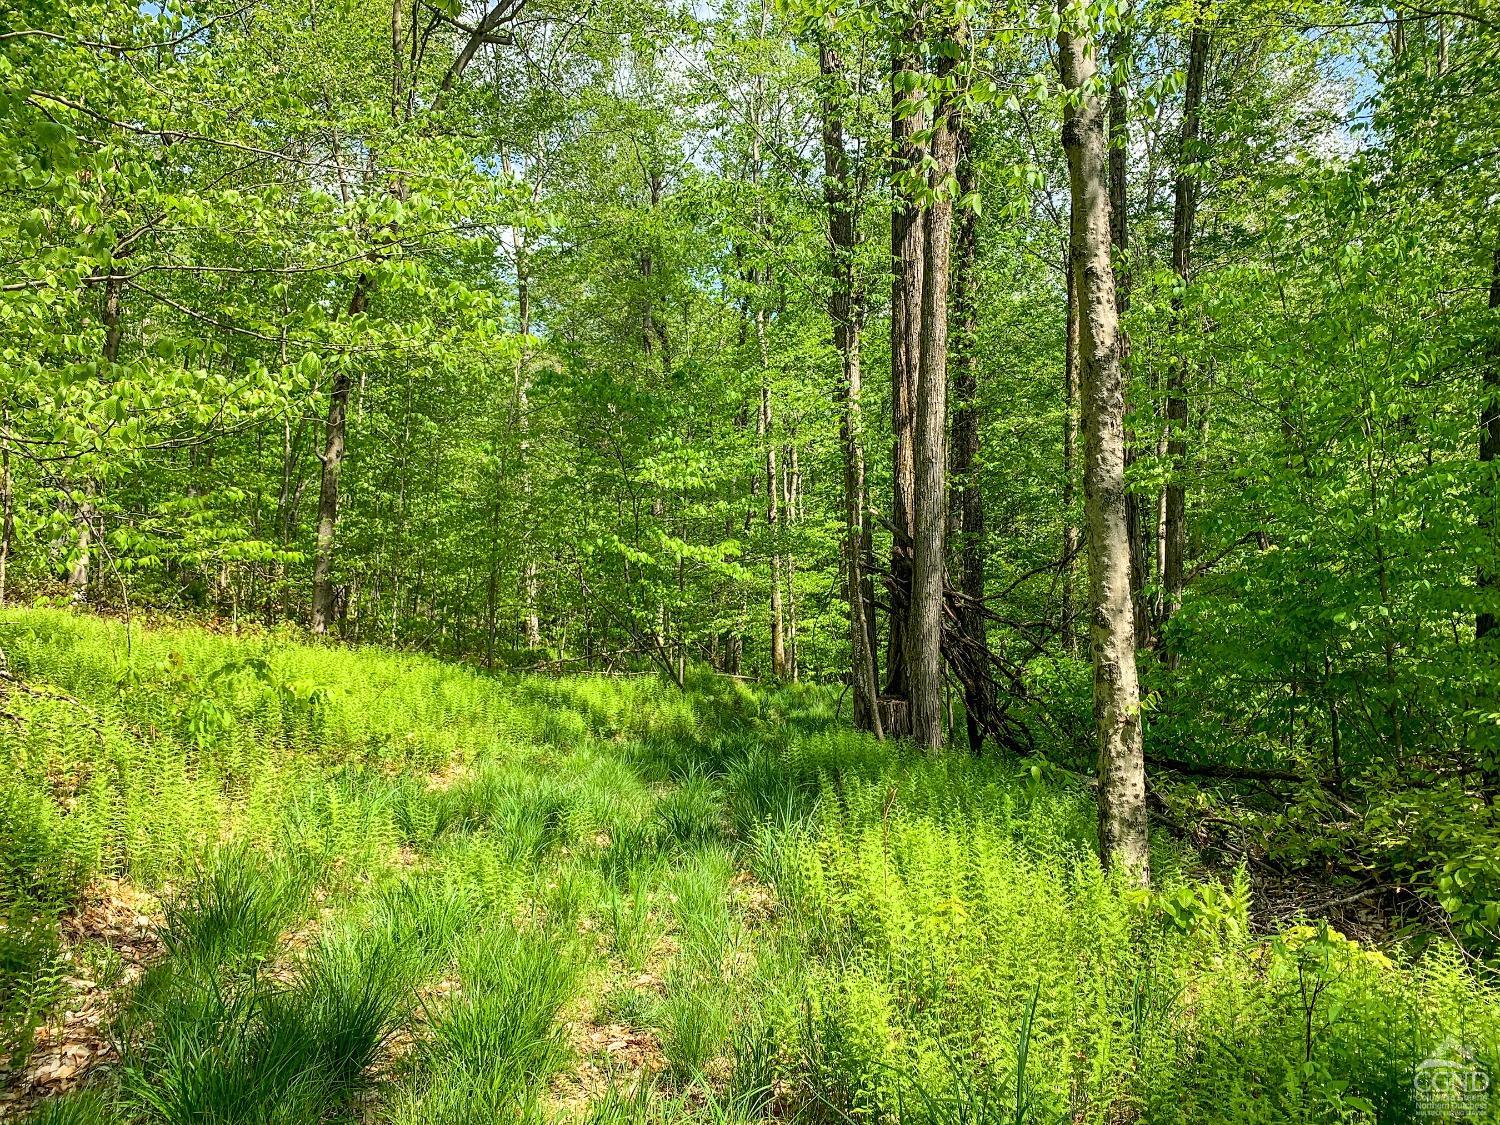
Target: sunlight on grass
{"x":394,"y":890}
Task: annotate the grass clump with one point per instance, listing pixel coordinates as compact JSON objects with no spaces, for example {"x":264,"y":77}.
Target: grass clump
{"x":497,"y":1036}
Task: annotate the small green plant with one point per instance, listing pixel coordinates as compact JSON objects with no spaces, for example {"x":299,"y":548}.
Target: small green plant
{"x":30,"y":977}
{"x":83,"y":1107}
{"x":44,"y":858}
{"x":228,"y":917}
{"x":628,"y":923}
{"x":499,"y":1034}
{"x":219,"y":1048}
{"x":690,"y":815}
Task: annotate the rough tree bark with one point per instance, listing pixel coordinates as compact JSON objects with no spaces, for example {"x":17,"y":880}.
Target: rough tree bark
{"x":908,"y":239}
{"x":1070,"y":457}
{"x":7,"y":502}
{"x":1123,"y":840}
{"x":1184,"y":210}
{"x":968,"y":500}
{"x":930,"y":500}
{"x":846,"y":313}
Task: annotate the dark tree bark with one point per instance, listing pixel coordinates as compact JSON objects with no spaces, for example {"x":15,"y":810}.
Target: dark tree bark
{"x":1123,"y":840}
{"x":7,"y":503}
{"x":80,"y":569}
{"x":930,"y":500}
{"x":1489,"y":451}
{"x":846,"y":313}
{"x":1184,"y":209}
{"x":908,"y":240}
{"x":332,"y":459}
{"x":968,"y":499}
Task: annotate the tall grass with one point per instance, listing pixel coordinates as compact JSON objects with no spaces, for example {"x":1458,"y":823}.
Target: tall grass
{"x":403,"y":891}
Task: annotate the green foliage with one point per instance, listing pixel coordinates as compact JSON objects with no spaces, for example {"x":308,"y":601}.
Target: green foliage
{"x":799,"y":920}
{"x":44,"y":857}
{"x":30,"y":972}
{"x":498,"y":1035}
{"x":212,"y":1035}
{"x":230,"y":916}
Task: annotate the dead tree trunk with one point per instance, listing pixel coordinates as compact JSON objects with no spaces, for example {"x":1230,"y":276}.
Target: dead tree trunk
{"x":1123,"y":840}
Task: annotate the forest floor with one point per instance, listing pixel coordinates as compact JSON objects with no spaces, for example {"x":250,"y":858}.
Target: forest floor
{"x":249,"y":879}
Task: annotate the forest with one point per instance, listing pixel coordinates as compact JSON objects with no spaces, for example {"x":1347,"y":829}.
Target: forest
{"x":930,"y":562}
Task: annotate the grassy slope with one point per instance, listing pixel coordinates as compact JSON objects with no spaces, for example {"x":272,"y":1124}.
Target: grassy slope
{"x":391,"y":889}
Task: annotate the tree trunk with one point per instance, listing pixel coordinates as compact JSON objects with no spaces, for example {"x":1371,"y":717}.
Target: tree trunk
{"x":791,"y":483}
{"x":908,"y":240}
{"x":1123,"y":840}
{"x":968,"y":500}
{"x":523,"y":421}
{"x":1489,"y":451}
{"x":773,"y":509}
{"x":332,"y":458}
{"x":765,"y":423}
{"x":1119,"y":226}
{"x":7,"y":503}
{"x":1070,"y":458}
{"x":1184,"y":208}
{"x":845,"y":313}
{"x":930,"y":514}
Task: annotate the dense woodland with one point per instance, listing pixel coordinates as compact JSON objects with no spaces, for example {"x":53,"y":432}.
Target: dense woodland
{"x":1109,"y":392}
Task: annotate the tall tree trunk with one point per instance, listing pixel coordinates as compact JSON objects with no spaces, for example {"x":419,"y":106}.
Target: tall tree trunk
{"x":765,"y":421}
{"x":791,"y":483}
{"x":7,"y":503}
{"x":1123,"y":839}
{"x":1184,"y":209}
{"x":1489,"y":451}
{"x":523,"y":422}
{"x":80,"y":569}
{"x":968,"y":500}
{"x":846,"y":314}
{"x":930,"y":501}
{"x":332,"y":458}
{"x":908,"y":240}
{"x":1136,"y":513}
{"x":1070,"y":457}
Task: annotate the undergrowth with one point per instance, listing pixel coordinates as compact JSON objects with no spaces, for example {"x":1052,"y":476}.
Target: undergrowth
{"x":397,"y":890}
